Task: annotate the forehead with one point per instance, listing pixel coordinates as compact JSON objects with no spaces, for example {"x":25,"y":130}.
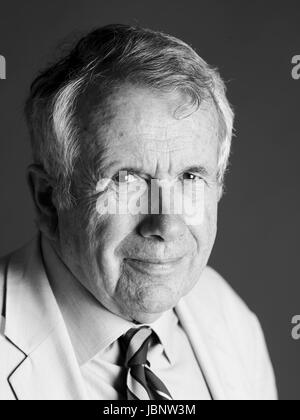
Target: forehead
{"x":140,"y":127}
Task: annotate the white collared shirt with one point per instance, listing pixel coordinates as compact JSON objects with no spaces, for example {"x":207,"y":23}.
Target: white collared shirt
{"x":94,"y":333}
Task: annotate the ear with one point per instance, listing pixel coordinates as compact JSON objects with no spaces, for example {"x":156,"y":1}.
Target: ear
{"x":41,"y":188}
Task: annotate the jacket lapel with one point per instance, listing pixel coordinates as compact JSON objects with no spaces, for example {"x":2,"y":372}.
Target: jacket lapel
{"x":50,"y":372}
{"x":223,"y":371}
{"x":47,"y":367}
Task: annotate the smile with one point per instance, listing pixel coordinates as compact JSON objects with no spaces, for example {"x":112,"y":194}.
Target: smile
{"x":154,"y":266}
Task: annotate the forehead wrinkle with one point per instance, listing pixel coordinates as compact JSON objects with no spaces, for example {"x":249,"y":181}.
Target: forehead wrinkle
{"x":168,"y":146}
{"x":148,"y":155}
{"x":153,"y":137}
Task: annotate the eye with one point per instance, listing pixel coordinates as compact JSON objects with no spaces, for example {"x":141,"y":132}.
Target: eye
{"x":124,"y":177}
{"x":190,"y":176}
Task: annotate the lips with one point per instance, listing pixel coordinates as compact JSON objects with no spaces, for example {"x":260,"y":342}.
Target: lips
{"x":156,"y":260}
{"x":153,"y":265}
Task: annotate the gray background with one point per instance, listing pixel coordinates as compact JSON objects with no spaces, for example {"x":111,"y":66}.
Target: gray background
{"x":252,"y":43}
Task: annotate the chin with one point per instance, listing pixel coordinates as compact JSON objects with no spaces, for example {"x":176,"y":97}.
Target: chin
{"x":148,"y":305}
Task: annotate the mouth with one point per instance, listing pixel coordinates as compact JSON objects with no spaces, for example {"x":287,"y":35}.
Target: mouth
{"x":154,"y":266}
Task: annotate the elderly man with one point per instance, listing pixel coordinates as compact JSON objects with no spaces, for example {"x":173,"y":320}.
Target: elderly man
{"x":131,"y":135}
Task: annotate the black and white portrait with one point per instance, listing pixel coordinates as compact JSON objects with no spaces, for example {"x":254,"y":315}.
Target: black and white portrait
{"x":149,"y":202}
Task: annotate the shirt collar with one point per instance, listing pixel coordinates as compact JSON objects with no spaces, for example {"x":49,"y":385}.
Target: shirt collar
{"x":165,"y":327}
{"x":92,"y":327}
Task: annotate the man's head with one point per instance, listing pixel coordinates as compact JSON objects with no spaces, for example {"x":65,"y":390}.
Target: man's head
{"x":135,"y":108}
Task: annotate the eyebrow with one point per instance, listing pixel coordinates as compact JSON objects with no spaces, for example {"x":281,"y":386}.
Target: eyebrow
{"x":199,"y":169}
{"x":133,"y":170}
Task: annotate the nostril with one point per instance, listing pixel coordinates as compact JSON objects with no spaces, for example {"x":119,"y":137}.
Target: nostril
{"x":162,"y":227}
{"x":159,"y":238}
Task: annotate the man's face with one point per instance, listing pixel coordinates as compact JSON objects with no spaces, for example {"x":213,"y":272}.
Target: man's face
{"x":140,"y":265}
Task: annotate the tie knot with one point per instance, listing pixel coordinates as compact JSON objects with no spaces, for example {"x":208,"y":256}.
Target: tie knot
{"x":137,"y":342}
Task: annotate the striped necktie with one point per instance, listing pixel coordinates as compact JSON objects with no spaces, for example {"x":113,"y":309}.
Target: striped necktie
{"x":142,"y":383}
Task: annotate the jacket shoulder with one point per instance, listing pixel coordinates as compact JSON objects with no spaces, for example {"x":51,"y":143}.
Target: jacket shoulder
{"x":221,"y":295}
{"x":216,"y":305}
{"x":216,"y":301}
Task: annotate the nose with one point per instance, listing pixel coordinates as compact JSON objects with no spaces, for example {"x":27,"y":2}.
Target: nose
{"x":164,"y":227}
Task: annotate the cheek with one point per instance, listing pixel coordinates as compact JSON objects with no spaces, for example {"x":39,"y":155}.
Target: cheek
{"x":205,"y":232}
{"x":194,"y":203}
{"x":71,"y":237}
{"x":211,"y":218}
{"x":113,"y":231}
{"x":211,"y":215}
{"x":108,"y":235}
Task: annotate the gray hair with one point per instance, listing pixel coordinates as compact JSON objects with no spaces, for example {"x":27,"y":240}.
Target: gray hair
{"x":104,"y":58}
